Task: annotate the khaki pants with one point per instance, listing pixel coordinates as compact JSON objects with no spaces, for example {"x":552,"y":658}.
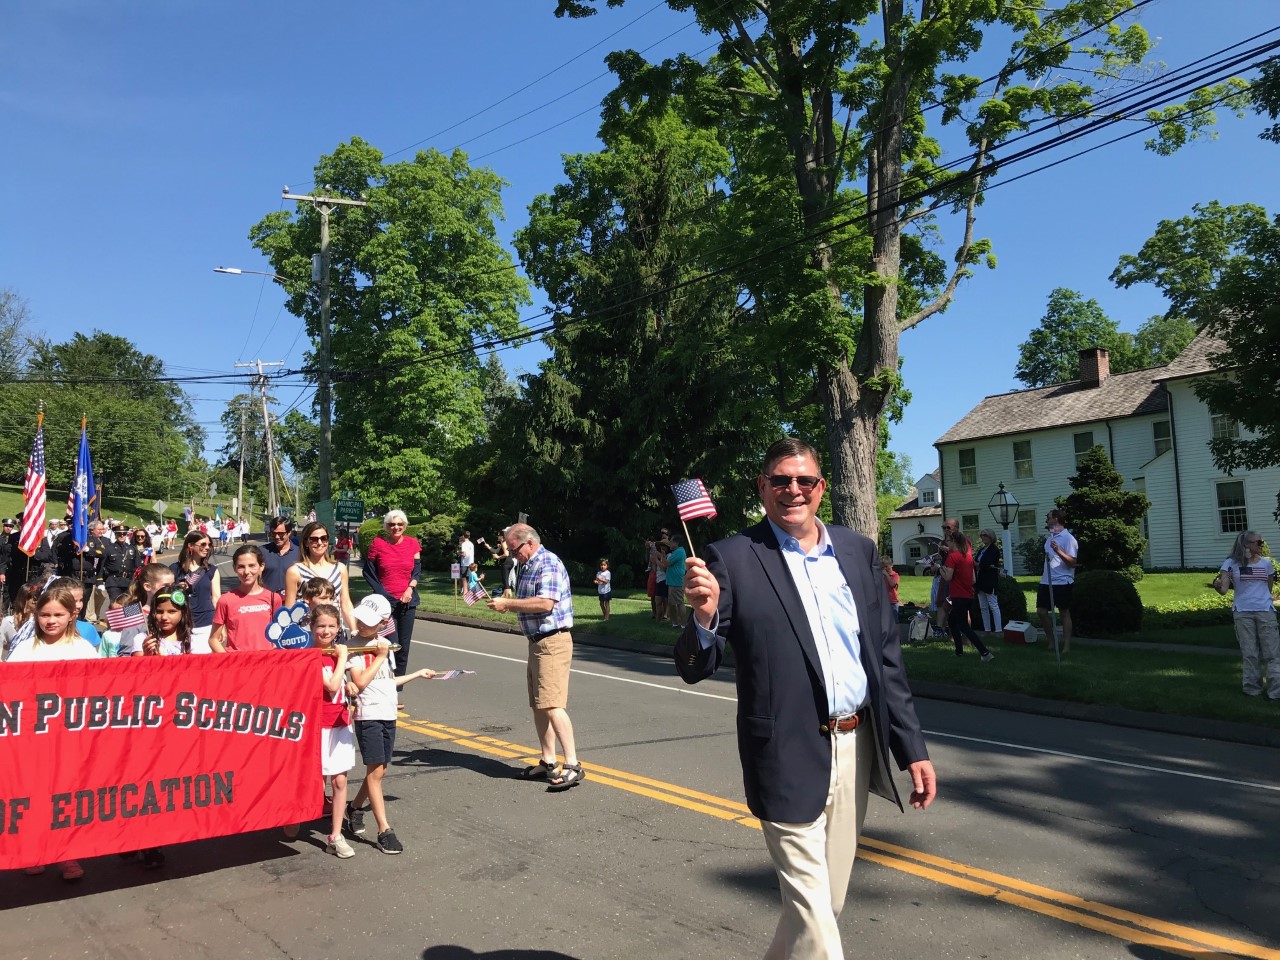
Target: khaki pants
{"x":675,"y":605}
{"x":814,"y":860}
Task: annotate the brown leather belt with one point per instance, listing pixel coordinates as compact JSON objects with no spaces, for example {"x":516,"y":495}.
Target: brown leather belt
{"x":844,"y":724}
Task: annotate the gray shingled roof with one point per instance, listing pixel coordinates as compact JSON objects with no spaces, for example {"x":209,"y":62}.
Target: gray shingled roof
{"x":1194,"y":360}
{"x":1042,"y":408}
{"x":912,"y":509}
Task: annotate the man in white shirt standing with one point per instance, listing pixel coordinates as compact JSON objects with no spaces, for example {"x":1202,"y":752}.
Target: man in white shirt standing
{"x":466,"y":551}
{"x":1060,"y":553}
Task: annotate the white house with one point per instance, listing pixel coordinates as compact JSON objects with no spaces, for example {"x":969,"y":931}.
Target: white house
{"x":916,"y":526}
{"x":1156,"y":432}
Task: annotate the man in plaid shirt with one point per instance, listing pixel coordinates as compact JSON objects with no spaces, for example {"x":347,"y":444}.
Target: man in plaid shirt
{"x":544,"y":604}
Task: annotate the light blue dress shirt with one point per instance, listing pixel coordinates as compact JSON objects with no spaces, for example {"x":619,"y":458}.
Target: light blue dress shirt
{"x":832,"y":615}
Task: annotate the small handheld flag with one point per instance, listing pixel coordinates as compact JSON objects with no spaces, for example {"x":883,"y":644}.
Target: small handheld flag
{"x":451,"y":674}
{"x":474,"y":594}
{"x":388,"y":628}
{"x":692,"y":500}
{"x":121,"y":618}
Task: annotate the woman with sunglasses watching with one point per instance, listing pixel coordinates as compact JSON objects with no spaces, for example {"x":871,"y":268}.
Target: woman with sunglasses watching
{"x":316,"y":563}
{"x":391,"y":567}
{"x":201,"y":583}
{"x":1252,"y":575}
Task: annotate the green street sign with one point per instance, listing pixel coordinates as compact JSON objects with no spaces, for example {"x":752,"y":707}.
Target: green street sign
{"x":348,"y":511}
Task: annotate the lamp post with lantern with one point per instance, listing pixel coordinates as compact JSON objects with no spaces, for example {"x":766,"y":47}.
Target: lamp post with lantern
{"x":1004,"y":508}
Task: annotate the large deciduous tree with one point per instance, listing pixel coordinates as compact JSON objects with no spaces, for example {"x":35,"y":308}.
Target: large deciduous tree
{"x":1070,"y":324}
{"x":649,"y":380}
{"x":827,"y":107}
{"x":418,"y":280}
{"x":140,"y":426}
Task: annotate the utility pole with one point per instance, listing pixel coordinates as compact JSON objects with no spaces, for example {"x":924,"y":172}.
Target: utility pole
{"x":260,"y":381}
{"x":240,"y":485}
{"x":324,"y":205}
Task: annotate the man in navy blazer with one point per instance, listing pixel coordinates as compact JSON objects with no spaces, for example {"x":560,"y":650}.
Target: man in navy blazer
{"x":823,"y":699}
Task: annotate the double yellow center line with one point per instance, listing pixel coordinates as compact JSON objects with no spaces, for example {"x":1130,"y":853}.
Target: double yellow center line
{"x":1099,"y":917}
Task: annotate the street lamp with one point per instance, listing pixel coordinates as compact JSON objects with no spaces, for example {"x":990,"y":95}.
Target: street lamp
{"x":322,"y":389}
{"x":1004,"y":507}
{"x":259,"y":273}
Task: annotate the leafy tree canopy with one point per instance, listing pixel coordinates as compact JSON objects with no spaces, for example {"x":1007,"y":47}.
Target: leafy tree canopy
{"x":140,"y":428}
{"x":419,"y":279}
{"x":831,"y":116}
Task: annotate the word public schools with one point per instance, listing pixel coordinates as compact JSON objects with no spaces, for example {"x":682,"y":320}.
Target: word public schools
{"x":52,"y":711}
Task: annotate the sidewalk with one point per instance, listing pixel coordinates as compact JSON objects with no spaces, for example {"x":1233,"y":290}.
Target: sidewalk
{"x":997,"y":699}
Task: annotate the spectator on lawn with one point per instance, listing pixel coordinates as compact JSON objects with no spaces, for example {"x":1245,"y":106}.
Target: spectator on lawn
{"x":1252,"y":576}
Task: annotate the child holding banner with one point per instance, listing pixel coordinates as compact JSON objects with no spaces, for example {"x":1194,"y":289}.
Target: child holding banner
{"x":168,"y":633}
{"x":153,"y":578}
{"x":56,"y":638}
{"x":169,"y":625}
{"x":241,"y":617}
{"x":374,"y":676}
{"x":337,"y":744}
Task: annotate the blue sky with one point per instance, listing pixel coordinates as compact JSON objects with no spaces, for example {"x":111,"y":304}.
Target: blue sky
{"x":143,"y":139}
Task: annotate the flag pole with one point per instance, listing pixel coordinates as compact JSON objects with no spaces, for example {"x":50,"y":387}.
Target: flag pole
{"x":688,"y":538}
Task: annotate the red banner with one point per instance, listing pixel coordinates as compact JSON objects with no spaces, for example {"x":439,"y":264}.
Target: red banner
{"x":105,"y":756}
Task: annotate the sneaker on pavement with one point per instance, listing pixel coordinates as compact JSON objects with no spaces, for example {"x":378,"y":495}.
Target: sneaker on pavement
{"x":339,"y":847}
{"x":388,"y":843}
{"x":354,"y":821}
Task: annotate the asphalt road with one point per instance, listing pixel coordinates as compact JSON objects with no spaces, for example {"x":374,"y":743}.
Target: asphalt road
{"x":1051,"y":838}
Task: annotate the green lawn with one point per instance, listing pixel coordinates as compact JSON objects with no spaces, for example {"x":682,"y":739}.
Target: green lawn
{"x":1185,"y":684}
{"x":1189,"y":684}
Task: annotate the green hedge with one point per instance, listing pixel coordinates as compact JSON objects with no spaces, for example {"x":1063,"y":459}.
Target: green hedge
{"x":1104,"y":603}
{"x":1012,"y":598}
{"x":1202,"y":611}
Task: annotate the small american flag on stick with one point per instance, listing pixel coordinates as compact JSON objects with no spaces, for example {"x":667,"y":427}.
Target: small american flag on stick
{"x":121,"y":618}
{"x":692,"y":500}
{"x":472,"y":595}
{"x":388,"y":628}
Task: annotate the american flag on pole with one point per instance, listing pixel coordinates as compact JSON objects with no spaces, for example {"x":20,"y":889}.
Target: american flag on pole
{"x":388,"y":628}
{"x":121,"y":618}
{"x":692,"y":500}
{"x":473,"y":594}
{"x":33,"y":496}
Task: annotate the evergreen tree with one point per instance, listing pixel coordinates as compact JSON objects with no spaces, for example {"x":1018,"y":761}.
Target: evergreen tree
{"x":1105,"y":518}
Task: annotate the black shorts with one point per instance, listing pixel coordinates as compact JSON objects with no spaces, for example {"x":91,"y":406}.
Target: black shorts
{"x":377,"y":739}
{"x":1061,"y":596}
{"x":660,"y":588}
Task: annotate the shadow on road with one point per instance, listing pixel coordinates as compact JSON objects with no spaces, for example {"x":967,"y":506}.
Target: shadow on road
{"x":451,"y":952}
{"x":110,"y":873}
{"x":438,"y":758}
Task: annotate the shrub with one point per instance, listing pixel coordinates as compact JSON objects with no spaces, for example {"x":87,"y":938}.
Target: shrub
{"x":435,"y":534}
{"x":1209,"y":610}
{"x":1031,"y":552}
{"x":1132,"y":573}
{"x":1012,"y":599}
{"x":1105,"y":602}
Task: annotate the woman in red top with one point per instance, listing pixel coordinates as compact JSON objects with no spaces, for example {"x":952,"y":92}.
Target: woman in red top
{"x":957,"y":570}
{"x":391,"y":567}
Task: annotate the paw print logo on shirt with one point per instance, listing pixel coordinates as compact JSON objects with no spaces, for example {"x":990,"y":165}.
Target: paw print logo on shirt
{"x":286,"y":631}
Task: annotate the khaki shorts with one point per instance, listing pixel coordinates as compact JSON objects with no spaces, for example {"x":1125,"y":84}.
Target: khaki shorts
{"x":549,"y":661}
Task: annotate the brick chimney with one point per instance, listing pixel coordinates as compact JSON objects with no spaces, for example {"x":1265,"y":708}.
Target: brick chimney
{"x":1095,"y":366}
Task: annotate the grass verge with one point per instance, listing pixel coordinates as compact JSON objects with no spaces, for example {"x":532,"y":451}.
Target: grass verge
{"x":1188,"y":684}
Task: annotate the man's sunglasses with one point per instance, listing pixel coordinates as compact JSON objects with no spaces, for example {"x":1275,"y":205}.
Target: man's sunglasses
{"x":780,"y":481}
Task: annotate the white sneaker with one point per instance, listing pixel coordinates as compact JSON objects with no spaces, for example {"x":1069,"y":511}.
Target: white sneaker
{"x":339,"y":847}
